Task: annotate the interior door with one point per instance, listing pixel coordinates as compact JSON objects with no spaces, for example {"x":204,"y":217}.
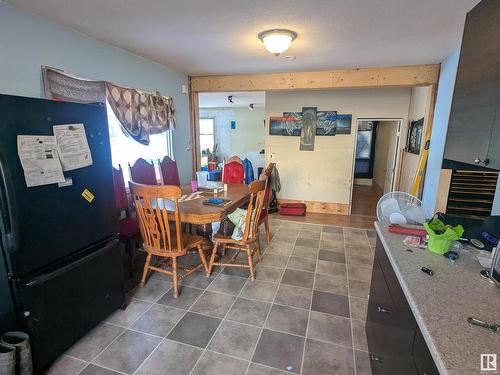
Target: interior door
{"x":392,"y":157}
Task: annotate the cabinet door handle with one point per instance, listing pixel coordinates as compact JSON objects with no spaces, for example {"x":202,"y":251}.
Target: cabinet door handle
{"x":382,"y":310}
{"x":374,"y":358}
{"x":482,"y":161}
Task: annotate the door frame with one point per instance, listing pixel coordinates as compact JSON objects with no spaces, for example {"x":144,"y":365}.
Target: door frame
{"x":398,"y":157}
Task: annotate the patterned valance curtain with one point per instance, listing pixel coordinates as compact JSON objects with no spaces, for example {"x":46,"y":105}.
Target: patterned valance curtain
{"x":140,"y":113}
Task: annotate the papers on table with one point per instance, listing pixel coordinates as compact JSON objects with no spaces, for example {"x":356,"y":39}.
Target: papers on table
{"x":40,"y":160}
{"x":74,"y":150}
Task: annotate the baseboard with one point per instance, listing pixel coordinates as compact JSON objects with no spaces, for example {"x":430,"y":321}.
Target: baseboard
{"x":321,"y":207}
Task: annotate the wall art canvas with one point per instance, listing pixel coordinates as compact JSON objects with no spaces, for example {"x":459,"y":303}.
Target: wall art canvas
{"x":289,"y":124}
{"x":415,"y":136}
{"x":327,"y":123}
{"x":308,"y":132}
{"x":344,"y":124}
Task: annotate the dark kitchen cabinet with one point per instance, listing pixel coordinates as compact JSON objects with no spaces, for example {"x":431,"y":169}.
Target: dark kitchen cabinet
{"x":474,"y":122}
{"x":395,"y":342}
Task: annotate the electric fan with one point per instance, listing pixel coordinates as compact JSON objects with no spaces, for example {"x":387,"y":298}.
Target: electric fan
{"x":398,"y":207}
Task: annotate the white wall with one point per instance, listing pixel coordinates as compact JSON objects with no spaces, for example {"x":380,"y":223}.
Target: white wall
{"x":325,"y":174}
{"x":28,"y":41}
{"x":247,"y":140}
{"x":410,"y":161}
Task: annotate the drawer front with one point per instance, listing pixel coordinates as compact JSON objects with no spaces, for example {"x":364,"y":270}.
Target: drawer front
{"x":402,"y":318}
{"x":422,"y":357}
{"x":387,"y":335}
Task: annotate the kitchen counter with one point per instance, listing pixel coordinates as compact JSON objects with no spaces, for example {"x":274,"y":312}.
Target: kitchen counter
{"x":442,"y":303}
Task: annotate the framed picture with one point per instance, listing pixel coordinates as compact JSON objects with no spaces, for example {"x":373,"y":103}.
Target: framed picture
{"x":289,"y":124}
{"x":308,"y":132}
{"x":344,"y":124}
{"x":327,"y":123}
{"x":414,"y":139}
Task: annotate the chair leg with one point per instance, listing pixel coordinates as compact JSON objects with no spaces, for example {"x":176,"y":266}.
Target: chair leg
{"x":266,"y":226}
{"x":223,"y":250}
{"x":212,"y":259}
{"x":174,"y":277}
{"x":250,"y":262}
{"x":202,"y":257}
{"x":146,"y":269}
{"x":257,"y":249}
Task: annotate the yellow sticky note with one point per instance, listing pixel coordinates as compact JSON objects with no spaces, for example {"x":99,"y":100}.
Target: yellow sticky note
{"x":87,"y":195}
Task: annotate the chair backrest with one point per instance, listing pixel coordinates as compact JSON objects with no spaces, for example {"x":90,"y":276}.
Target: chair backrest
{"x":233,"y":173}
{"x":168,"y":172}
{"x":143,"y":172}
{"x":266,"y":175}
{"x":257,"y":190}
{"x":121,"y":200}
{"x":235,"y":158}
{"x":153,"y":205}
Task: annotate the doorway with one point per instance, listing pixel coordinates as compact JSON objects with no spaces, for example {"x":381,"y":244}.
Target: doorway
{"x":231,"y":124}
{"x":376,"y":156}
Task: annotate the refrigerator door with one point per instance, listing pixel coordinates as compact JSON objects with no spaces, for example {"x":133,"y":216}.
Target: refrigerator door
{"x":46,"y":223}
{"x":7,"y":312}
{"x":61,"y":306}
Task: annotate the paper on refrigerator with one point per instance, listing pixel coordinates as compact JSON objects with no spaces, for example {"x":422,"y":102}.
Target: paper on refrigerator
{"x":39,"y":159}
{"x":72,"y":145}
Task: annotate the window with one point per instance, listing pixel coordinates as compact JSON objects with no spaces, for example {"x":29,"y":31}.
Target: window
{"x":125,"y":150}
{"x":207,"y":138}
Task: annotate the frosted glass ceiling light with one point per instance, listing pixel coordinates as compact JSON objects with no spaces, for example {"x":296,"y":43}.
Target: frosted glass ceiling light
{"x":277,"y":41}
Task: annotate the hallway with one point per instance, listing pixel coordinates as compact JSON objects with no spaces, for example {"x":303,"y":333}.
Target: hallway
{"x":364,"y":200}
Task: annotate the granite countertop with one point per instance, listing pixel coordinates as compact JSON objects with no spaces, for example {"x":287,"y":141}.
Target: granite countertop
{"x":442,"y":303}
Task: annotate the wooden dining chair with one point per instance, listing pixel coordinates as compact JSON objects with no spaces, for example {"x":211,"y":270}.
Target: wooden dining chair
{"x":128,"y":227}
{"x":143,"y":172}
{"x":233,"y":171}
{"x":169,"y":175}
{"x":264,"y":214}
{"x":162,"y":238}
{"x":250,"y":239}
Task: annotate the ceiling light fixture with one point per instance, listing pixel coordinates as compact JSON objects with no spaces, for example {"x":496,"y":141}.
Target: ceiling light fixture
{"x":277,"y":41}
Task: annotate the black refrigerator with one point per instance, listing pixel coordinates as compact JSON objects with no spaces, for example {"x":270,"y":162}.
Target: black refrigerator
{"x":60,"y":254}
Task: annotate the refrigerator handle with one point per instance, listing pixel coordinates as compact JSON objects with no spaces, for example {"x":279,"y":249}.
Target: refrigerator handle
{"x":7,"y":208}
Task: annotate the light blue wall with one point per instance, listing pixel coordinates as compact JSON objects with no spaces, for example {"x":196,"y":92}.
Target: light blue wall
{"x":28,"y":41}
{"x":442,"y":109}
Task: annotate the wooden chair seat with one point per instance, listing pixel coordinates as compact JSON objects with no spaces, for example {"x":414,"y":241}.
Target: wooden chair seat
{"x":189,"y":241}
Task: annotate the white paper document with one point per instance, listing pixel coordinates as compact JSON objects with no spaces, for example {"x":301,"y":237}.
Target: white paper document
{"x":39,"y":159}
{"x":72,"y":145}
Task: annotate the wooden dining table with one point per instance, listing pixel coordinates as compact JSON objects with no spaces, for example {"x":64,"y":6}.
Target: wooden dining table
{"x":197,"y":213}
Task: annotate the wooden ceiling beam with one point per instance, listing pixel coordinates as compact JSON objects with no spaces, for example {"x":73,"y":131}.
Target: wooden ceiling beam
{"x":400,"y":76}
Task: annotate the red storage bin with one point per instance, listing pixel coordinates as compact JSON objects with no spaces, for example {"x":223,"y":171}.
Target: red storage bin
{"x":292,"y":209}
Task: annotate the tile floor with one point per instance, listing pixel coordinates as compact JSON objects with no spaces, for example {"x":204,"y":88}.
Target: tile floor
{"x":304,"y":314}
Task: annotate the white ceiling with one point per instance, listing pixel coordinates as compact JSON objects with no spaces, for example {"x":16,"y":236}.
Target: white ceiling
{"x":220,"y":36}
{"x":240,"y":99}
